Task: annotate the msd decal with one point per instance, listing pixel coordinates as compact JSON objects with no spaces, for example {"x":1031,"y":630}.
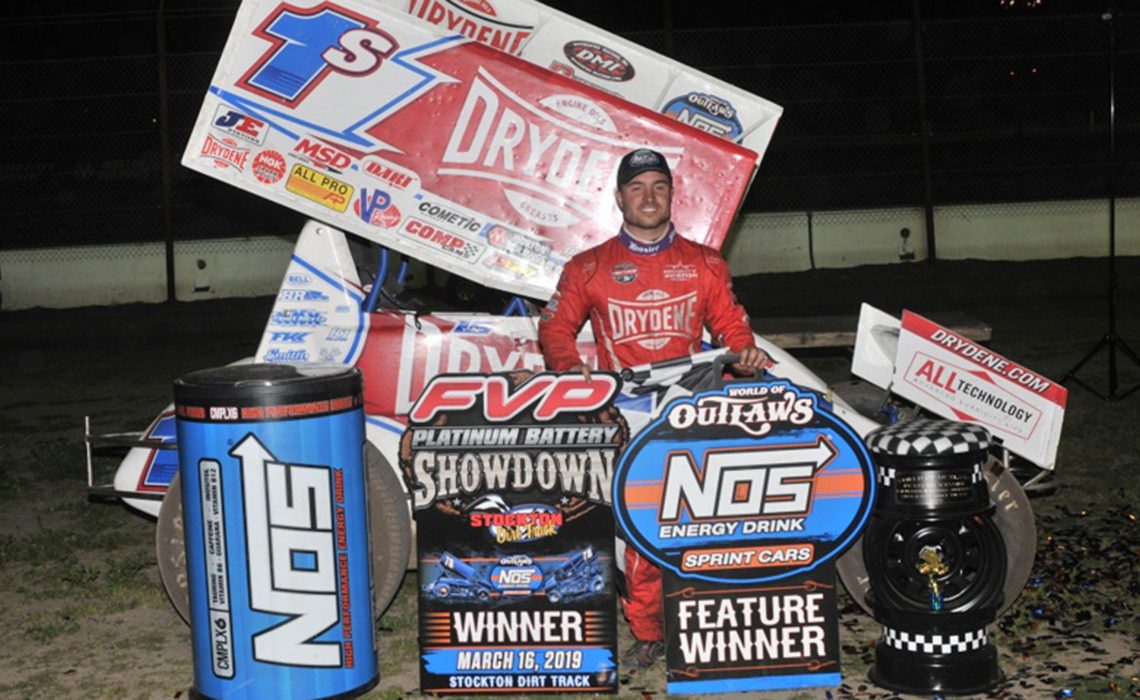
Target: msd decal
{"x":752,"y":483}
{"x":322,"y":155}
{"x":305,"y":46}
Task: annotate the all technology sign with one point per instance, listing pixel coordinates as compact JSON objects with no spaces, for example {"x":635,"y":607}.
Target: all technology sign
{"x":445,"y":149}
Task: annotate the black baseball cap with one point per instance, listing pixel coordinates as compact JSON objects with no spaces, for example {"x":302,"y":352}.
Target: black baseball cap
{"x":643,"y":160}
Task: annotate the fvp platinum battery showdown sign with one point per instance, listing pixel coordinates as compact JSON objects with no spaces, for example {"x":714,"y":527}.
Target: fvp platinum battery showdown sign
{"x":511,"y":480}
{"x":745,"y":496}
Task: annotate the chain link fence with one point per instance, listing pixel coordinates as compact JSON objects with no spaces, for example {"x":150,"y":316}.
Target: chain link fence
{"x":1013,"y":110}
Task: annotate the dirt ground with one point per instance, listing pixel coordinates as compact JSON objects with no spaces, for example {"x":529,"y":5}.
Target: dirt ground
{"x":85,"y":614}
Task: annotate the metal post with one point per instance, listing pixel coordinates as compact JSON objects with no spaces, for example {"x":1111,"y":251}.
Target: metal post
{"x":924,"y":135}
{"x":164,"y":152}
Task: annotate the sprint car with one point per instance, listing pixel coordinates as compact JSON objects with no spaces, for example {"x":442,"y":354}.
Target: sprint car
{"x":324,"y":314}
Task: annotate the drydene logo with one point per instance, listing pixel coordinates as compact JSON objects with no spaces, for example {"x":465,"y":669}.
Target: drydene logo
{"x":500,"y":137}
{"x":306,"y":46}
{"x":476,"y":19}
{"x":755,"y":482}
{"x":225,"y":152}
{"x":653,"y":319}
{"x":292,"y":537}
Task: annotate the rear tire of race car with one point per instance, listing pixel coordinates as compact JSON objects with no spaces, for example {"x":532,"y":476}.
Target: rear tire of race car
{"x":389,"y":526}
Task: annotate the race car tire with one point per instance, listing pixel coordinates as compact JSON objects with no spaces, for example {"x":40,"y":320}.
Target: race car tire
{"x":389,"y":525}
{"x":554,"y":596}
{"x":1013,"y":516}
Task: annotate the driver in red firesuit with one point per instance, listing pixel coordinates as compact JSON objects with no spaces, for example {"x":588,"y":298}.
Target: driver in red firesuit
{"x":648,"y":292}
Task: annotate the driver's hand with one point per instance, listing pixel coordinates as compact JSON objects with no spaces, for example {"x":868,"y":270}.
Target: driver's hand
{"x":583,"y":368}
{"x":752,"y":361}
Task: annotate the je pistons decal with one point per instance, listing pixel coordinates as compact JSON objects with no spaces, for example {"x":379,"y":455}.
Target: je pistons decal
{"x":511,"y":476}
{"x":753,"y":483}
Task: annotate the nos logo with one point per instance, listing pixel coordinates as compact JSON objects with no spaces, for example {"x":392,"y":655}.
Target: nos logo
{"x":755,"y":482}
{"x":292,"y":555}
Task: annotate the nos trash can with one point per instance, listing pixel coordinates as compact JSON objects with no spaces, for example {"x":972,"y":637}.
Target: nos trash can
{"x":276,"y":518}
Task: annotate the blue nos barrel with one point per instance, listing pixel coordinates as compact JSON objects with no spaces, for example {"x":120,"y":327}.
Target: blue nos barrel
{"x":274,"y":501}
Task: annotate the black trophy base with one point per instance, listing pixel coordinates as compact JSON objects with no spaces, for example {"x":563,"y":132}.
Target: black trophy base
{"x":963,"y":673}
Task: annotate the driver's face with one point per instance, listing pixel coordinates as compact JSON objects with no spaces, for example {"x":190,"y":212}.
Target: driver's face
{"x":645,"y":203}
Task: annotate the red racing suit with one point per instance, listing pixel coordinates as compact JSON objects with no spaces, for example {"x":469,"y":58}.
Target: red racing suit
{"x":646,"y":303}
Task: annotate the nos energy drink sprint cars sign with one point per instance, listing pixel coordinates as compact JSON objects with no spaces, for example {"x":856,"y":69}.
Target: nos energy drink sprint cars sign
{"x":511,"y":480}
{"x":745,"y":496}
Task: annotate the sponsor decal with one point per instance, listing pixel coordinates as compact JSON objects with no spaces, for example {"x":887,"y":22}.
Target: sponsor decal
{"x":961,"y":380}
{"x":297,"y":317}
{"x":473,"y":327}
{"x":305,"y":47}
{"x":624,"y":273}
{"x":653,"y":319}
{"x":518,"y":244}
{"x":426,"y":234}
{"x":475,"y":19}
{"x":319,"y":187}
{"x":278,"y":355}
{"x":516,"y":267}
{"x":225,"y":152}
{"x":680,"y":272}
{"x":337,"y":335}
{"x":241,"y":126}
{"x":298,"y":279}
{"x":288,"y":336}
{"x":375,"y":207}
{"x":392,"y":175}
{"x":708,"y":113}
{"x":449,"y":216}
{"x":268,"y":167}
{"x":302,"y":295}
{"x":598,"y":61}
{"x":322,"y":155}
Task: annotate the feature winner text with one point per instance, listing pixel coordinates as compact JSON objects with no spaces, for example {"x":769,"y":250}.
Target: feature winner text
{"x":751,"y":628}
